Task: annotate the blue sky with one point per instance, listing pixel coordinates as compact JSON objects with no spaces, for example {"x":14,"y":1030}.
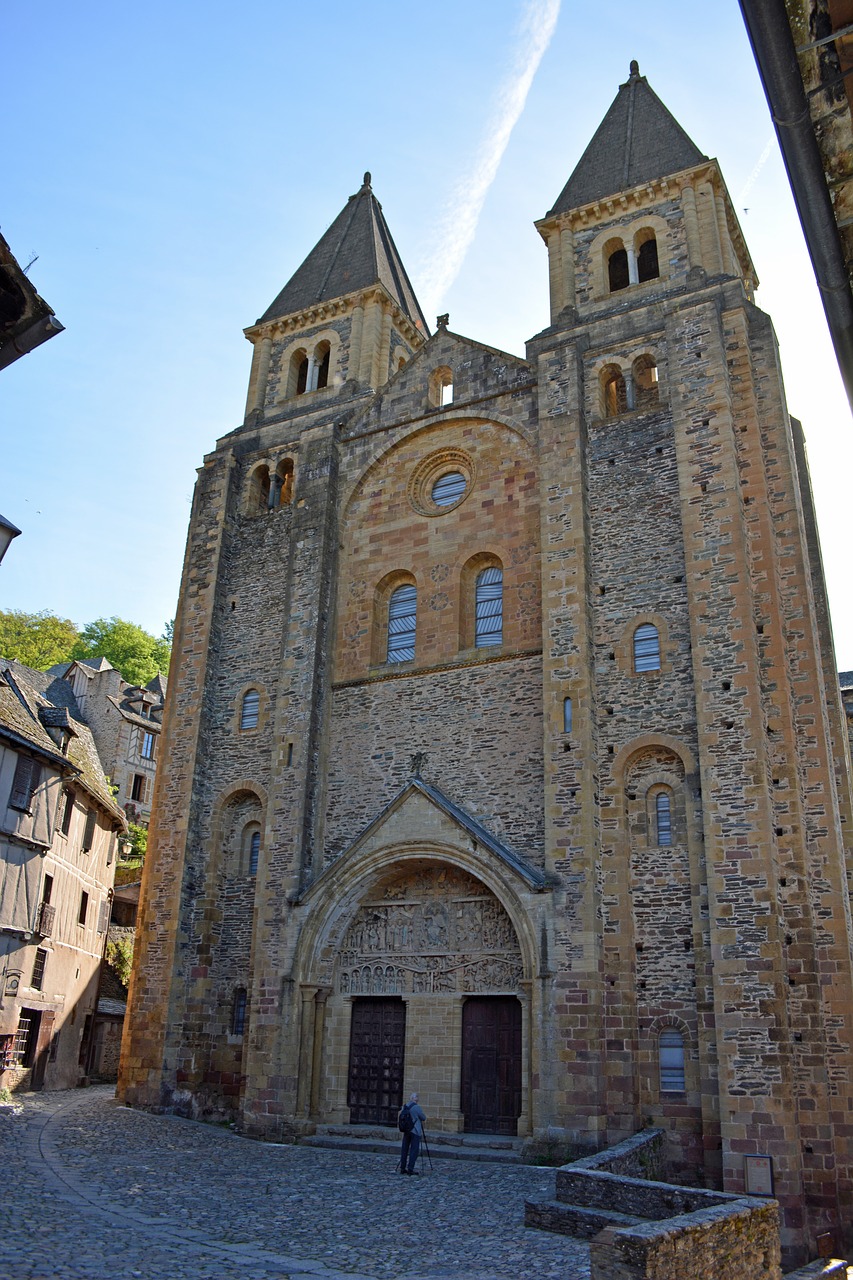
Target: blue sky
{"x":171,"y":165}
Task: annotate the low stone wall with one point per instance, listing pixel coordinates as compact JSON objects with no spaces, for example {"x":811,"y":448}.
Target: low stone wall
{"x":728,"y":1242}
{"x":640,"y":1156}
{"x":639,"y":1197}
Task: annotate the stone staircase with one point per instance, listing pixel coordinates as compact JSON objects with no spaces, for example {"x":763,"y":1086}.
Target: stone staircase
{"x":488,"y":1147}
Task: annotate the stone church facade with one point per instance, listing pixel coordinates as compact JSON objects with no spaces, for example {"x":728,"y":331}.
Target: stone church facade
{"x":503,"y":755}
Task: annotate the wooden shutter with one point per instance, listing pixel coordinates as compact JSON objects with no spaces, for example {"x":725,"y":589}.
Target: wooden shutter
{"x":27,"y":778}
{"x":89,"y":832}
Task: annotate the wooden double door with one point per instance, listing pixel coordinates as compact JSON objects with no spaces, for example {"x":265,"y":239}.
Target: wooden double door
{"x":491,"y":1062}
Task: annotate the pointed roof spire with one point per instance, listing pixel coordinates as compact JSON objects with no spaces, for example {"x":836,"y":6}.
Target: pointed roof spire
{"x":356,"y":252}
{"x":637,"y":141}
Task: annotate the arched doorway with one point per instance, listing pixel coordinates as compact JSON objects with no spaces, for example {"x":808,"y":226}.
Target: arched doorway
{"x":429,"y":969}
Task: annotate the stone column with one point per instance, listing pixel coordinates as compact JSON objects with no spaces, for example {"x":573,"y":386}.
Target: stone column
{"x":556,"y":274}
{"x":710,"y":229}
{"x":320,"y":999}
{"x":356,"y":326}
{"x":691,"y":227}
{"x":304,"y":1087}
{"x":260,"y":373}
{"x":633,"y":273}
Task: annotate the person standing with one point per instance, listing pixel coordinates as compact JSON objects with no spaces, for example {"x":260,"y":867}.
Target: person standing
{"x":411,"y":1135}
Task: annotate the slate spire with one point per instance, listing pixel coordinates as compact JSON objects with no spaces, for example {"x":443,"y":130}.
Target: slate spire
{"x":637,"y":141}
{"x":355,"y":253}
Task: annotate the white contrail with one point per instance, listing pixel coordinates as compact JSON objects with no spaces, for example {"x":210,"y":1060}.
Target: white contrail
{"x":462,"y":212}
{"x":753,"y":177}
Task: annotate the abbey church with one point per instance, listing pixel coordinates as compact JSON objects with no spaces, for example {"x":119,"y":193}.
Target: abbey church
{"x":504,"y":756}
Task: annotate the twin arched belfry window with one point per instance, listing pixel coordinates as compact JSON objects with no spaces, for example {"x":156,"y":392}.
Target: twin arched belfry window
{"x":488,"y":615}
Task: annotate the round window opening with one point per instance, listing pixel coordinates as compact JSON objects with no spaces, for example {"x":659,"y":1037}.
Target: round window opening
{"x":441,"y":481}
{"x":449,"y":489}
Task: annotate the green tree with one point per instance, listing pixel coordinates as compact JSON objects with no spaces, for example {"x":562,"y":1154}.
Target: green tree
{"x":137,"y":838}
{"x":119,"y":955}
{"x":134,"y":652}
{"x":39,"y":640}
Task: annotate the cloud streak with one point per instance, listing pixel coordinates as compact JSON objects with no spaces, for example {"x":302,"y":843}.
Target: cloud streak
{"x":458,"y":223}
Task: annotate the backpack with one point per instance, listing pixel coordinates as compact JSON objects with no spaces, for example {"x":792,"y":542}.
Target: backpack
{"x":405,"y":1120}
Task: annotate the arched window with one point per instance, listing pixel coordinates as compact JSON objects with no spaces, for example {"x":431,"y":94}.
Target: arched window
{"x":249,"y":710}
{"x":646,"y":648}
{"x":567,"y":715}
{"x":613,"y":390}
{"x":238,"y":1012}
{"x":283,"y":483}
{"x":645,"y":373}
{"x":449,"y":488}
{"x":617,"y":270}
{"x":441,"y":386}
{"x":297,"y":378}
{"x":258,"y":491}
{"x":647,"y":259}
{"x":254,"y":852}
{"x":671,"y":1061}
{"x":663,"y":818}
{"x":402,"y":617}
{"x":488,"y":608}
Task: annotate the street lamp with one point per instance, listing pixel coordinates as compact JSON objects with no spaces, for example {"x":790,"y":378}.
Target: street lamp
{"x":8,"y":531}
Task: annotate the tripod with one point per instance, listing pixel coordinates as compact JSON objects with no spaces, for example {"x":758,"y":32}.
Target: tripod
{"x":422,"y":1147}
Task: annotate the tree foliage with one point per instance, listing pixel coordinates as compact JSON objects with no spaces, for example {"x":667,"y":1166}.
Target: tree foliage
{"x":137,"y":838}
{"x":38,"y":640}
{"x":134,"y":652}
{"x":119,"y":956}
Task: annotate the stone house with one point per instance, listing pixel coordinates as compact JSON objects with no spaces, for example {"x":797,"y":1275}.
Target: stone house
{"x":59,"y":831}
{"x":126,"y":721}
{"x":505,"y":756}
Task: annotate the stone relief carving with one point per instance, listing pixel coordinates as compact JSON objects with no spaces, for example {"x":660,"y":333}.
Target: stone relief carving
{"x":436,"y":930}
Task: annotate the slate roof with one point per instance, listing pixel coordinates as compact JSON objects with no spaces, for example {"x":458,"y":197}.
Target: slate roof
{"x":637,"y":141}
{"x":845,"y":679}
{"x":30,"y":698}
{"x":356,"y":252}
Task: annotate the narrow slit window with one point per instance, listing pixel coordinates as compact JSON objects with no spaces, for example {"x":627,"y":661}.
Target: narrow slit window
{"x":488,"y":608}
{"x":663,"y":818}
{"x":238,"y":1012}
{"x":567,"y":715}
{"x":671,"y":1061}
{"x":254,"y":852}
{"x":402,"y":620}
{"x":250,"y":709}
{"x":646,"y":648}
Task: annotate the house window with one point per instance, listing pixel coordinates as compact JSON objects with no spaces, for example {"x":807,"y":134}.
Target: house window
{"x":254,"y":852}
{"x":441,"y":386}
{"x":402,"y":618}
{"x":671,"y":1061}
{"x":488,"y":608}
{"x":250,"y":709}
{"x":89,"y":830}
{"x":84,"y":908}
{"x":646,"y":648}
{"x":299,"y":368}
{"x":238,"y":1012}
{"x":137,"y":789}
{"x":24,"y":784}
{"x":663,"y":817}
{"x":321,"y":365}
{"x":647,"y":260}
{"x":37,"y":980}
{"x":617,"y":270}
{"x":67,"y":813}
{"x":147,"y":751}
{"x":567,"y":715}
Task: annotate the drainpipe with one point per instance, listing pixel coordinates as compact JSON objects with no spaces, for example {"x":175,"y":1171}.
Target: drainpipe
{"x":773,"y":45}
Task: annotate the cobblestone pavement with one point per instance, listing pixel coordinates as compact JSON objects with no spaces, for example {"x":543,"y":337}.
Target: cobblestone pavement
{"x":93,"y":1191}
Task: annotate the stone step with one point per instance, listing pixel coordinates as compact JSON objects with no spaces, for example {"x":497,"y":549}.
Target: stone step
{"x":443,"y":1150}
{"x":389,"y":1133}
{"x":574,"y":1219}
{"x":821,"y":1268}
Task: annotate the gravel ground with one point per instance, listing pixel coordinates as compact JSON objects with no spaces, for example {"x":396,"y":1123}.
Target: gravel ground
{"x":93,"y":1191}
